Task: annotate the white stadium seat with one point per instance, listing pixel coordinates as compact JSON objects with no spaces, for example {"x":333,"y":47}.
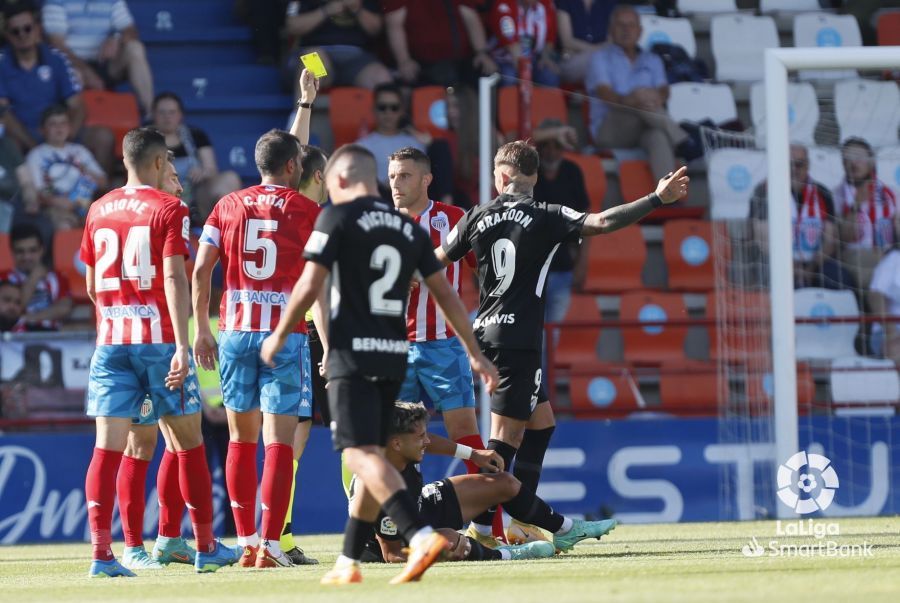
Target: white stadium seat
{"x":869,"y":382}
{"x":825,"y":30}
{"x":707,"y":6}
{"x":868,"y":109}
{"x":825,"y":341}
{"x":667,"y":31}
{"x":795,"y":6}
{"x":694,"y":102}
{"x":733,"y":175}
{"x":738,"y":42}
{"x":826,"y":166}
{"x":803,"y":112}
{"x":888,"y":167}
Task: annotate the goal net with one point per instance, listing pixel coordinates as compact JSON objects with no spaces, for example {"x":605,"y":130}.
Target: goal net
{"x":834,"y":272}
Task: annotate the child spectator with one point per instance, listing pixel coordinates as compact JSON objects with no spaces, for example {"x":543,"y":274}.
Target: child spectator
{"x":65,"y":175}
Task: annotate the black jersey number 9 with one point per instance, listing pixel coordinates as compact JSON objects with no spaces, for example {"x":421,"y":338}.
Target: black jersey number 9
{"x":503,"y":260}
{"x":385,"y":258}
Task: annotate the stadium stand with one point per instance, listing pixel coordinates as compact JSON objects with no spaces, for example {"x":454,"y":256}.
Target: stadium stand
{"x":114,"y":110}
{"x":738,"y":42}
{"x":733,"y":175}
{"x":653,"y":344}
{"x":663,"y":30}
{"x":826,"y":30}
{"x":688,"y":251}
{"x":889,"y":29}
{"x":825,"y":341}
{"x":869,"y":110}
{"x":66,"y":262}
{"x":429,"y":110}
{"x":625,"y":249}
{"x":546,"y":103}
{"x":803,"y":112}
{"x":577,"y":346}
{"x":594,"y":177}
{"x":696,"y":102}
{"x":350,"y":113}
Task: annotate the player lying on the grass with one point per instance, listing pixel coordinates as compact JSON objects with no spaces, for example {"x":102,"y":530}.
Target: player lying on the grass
{"x":450,"y":503}
{"x":514,"y":239}
{"x":134,"y":244}
{"x":371,"y":252}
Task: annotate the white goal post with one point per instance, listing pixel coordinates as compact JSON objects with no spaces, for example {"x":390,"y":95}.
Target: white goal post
{"x":778,"y":61}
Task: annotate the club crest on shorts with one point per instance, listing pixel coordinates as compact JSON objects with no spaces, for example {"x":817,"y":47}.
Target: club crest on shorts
{"x":146,"y":408}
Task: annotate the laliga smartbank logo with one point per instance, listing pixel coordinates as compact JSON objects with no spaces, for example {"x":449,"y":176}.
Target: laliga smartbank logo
{"x":806,"y":484}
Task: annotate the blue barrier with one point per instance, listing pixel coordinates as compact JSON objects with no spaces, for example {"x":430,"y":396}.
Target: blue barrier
{"x":641,"y":470}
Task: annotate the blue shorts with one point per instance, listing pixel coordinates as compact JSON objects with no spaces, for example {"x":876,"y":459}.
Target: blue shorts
{"x":124,"y":377}
{"x":438,"y":372}
{"x":248,"y":383}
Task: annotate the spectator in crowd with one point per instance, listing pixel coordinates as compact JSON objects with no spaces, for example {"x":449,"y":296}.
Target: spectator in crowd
{"x":815,"y":240}
{"x":560,"y":181}
{"x":11,"y":307}
{"x":524,"y":28}
{"x":34,"y":76}
{"x":344,"y":33}
{"x":440,"y":42}
{"x":64,"y":175}
{"x":45,"y":294}
{"x":102,"y":42}
{"x":11,"y":170}
{"x":868,"y":206}
{"x":629,"y":90}
{"x":391,"y":133}
{"x":884,"y":301}
{"x":582,"y":27}
{"x":194,"y":158}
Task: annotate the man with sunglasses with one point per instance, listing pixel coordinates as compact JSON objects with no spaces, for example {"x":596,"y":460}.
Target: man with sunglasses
{"x":392,"y":133}
{"x":34,"y":76}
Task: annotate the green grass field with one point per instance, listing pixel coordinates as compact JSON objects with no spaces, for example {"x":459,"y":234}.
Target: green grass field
{"x":681,"y":562}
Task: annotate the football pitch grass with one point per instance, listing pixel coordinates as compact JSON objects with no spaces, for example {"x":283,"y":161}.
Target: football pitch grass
{"x":676,"y":562}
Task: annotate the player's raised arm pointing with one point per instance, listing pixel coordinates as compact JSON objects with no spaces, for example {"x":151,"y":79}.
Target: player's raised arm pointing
{"x":669,"y":189}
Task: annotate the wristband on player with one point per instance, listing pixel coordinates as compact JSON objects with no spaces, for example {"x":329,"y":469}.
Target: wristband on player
{"x":303,"y":105}
{"x":463,"y":452}
{"x":655,"y":200}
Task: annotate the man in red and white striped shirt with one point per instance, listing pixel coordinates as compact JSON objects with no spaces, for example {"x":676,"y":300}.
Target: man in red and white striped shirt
{"x":258,"y":234}
{"x":134,"y":244}
{"x":438,"y":369}
{"x":45,"y":293}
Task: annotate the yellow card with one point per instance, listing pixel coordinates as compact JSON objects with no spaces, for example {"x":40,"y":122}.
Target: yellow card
{"x":314,"y":64}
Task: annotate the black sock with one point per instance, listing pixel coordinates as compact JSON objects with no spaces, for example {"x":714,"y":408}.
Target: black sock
{"x":356,"y":534}
{"x":528,"y":508}
{"x":530,"y":457}
{"x":402,"y":510}
{"x":508,"y":453}
{"x":287,"y":529}
{"x":479,"y":552}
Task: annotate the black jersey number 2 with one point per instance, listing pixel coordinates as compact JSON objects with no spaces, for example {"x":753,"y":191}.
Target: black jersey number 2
{"x":387,"y":258}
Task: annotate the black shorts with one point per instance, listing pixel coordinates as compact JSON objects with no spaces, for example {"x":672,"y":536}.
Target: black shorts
{"x":361,"y":410}
{"x":521,"y":388}
{"x":439,"y":505}
{"x":320,"y":394}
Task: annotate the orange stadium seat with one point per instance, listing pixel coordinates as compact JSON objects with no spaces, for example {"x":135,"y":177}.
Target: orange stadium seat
{"x":594,"y":177}
{"x":760,"y":390}
{"x":658,"y":343}
{"x":578,"y":345}
{"x":745,"y":318}
{"x":688,"y":250}
{"x":66,"y":246}
{"x":350,"y":111}
{"x":606,"y":393}
{"x":6,"y":261}
{"x":616,"y":261}
{"x":889,"y":29}
{"x":690,"y":388}
{"x":635,"y":179}
{"x":546,"y":103}
{"x":429,"y":110}
{"x":117,"y":111}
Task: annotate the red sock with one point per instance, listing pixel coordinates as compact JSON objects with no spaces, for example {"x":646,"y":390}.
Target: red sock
{"x":276,"y":489}
{"x":171,"y":503}
{"x":131,"y":490}
{"x":241,"y":481}
{"x":472,"y":441}
{"x":196,"y":488}
{"x":100,"y":493}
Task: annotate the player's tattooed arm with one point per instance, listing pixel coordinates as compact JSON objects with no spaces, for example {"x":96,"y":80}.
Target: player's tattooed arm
{"x":489,"y":460}
{"x":305,"y":293}
{"x":669,"y":189}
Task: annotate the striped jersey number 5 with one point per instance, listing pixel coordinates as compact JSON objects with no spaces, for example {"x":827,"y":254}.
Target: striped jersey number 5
{"x":387,"y":258}
{"x":503,"y":260}
{"x":137,"y":265}
{"x":260,"y":271}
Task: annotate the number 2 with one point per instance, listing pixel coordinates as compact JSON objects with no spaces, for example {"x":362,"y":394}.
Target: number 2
{"x":503,"y":260}
{"x":385,"y":258}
